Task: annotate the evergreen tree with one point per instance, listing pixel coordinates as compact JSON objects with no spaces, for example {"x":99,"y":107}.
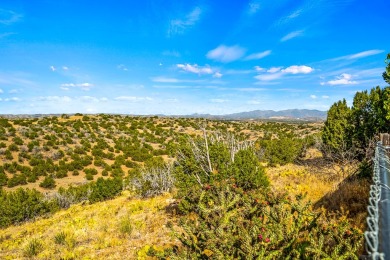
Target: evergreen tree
{"x":336,"y":130}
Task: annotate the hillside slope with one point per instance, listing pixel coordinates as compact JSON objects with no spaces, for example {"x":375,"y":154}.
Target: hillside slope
{"x":122,"y":228}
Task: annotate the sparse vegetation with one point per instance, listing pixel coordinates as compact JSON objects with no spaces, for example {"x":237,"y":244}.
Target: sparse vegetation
{"x":224,"y":175}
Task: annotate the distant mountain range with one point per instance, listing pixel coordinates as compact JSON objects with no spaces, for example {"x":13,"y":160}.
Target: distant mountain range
{"x":290,"y":114}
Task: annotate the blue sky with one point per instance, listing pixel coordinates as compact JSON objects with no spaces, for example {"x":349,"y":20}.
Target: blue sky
{"x":184,"y":57}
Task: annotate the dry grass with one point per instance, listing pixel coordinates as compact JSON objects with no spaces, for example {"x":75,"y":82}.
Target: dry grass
{"x":122,"y":228}
{"x":325,"y":186}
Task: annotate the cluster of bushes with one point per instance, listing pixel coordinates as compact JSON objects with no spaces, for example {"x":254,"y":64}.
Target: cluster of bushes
{"x":25,"y":204}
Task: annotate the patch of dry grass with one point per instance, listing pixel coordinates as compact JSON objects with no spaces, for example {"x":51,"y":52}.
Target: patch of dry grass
{"x":122,"y":228}
{"x":326,"y":186}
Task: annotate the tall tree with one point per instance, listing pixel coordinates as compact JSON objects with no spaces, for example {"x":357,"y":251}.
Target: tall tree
{"x":337,"y":126}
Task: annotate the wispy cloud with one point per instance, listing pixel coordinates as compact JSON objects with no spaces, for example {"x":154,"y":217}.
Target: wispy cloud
{"x":179,"y":26}
{"x":278,"y":72}
{"x":358,"y":55}
{"x":8,"y":17}
{"x":165,"y":80}
{"x":217,"y":75}
{"x":173,"y":87}
{"x":343,"y":79}
{"x":253,"y":7}
{"x":268,"y":77}
{"x":274,"y":69}
{"x":1,"y":91}
{"x":292,"y":35}
{"x":4,"y":35}
{"x":226,"y":53}
{"x":54,"y":99}
{"x":313,"y":96}
{"x":286,"y":19}
{"x":52,"y":68}
{"x":84,"y":86}
{"x":298,"y":69}
{"x":122,"y":67}
{"x":12,"y":99}
{"x":259,"y":55}
{"x":218,"y":100}
{"x":133,"y":98}
{"x":195,"y":68}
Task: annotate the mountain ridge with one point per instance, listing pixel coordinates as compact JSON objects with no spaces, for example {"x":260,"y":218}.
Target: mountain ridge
{"x":288,"y":114}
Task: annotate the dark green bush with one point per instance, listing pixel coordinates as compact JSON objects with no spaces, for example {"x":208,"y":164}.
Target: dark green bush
{"x":22,"y":205}
{"x":48,"y":183}
{"x":104,"y":189}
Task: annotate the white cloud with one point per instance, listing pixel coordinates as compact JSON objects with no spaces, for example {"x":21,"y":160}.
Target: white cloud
{"x":122,"y":67}
{"x":64,"y":88}
{"x":259,"y":69}
{"x":254,"y":7}
{"x":89,"y":99}
{"x":171,"y":86}
{"x":52,"y":68}
{"x":238,"y":72}
{"x":278,"y":72}
{"x":298,"y":69}
{"x":291,"y":35}
{"x":259,"y":55}
{"x":104,"y":99}
{"x":343,"y":79}
{"x":65,"y":68}
{"x":218,"y":100}
{"x":249,"y":89}
{"x":268,"y":77}
{"x":195,"y":68}
{"x":165,"y":80}
{"x":8,"y":17}
{"x":313,"y":96}
{"x":274,"y":69}
{"x":133,"y":98}
{"x":179,"y":26}
{"x":253,"y":102}
{"x":217,"y":75}
{"x":226,"y":53}
{"x":12,"y":99}
{"x":1,"y":91}
{"x":325,"y":97}
{"x":55,"y":99}
{"x":84,"y":86}
{"x":172,"y":100}
{"x":358,"y":55}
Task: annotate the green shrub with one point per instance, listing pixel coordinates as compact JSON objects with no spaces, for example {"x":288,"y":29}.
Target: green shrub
{"x":48,"y":183}
{"x":89,"y":176}
{"x":105,"y":189}
{"x":33,"y":248}
{"x":281,"y":151}
{"x":22,"y":205}
{"x":227,"y":223}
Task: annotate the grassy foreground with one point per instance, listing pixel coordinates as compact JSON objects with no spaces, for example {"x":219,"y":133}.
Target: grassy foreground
{"x":122,"y":228}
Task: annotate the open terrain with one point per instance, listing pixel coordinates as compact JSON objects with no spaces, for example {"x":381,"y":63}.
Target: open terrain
{"x":77,"y":150}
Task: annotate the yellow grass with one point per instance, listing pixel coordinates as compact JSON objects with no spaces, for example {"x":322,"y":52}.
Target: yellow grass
{"x":122,"y":228}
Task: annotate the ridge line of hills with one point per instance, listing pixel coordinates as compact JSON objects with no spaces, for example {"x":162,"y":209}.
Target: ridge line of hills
{"x":288,"y":114}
